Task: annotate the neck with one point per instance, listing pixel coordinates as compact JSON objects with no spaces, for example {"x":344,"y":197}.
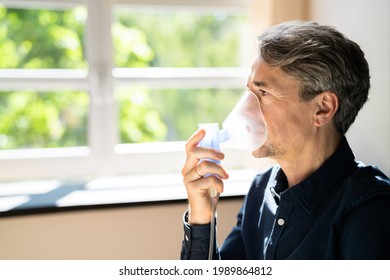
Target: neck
{"x":300,"y":165}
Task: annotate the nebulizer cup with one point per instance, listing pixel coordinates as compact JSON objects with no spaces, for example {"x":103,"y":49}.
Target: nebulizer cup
{"x":244,"y":128}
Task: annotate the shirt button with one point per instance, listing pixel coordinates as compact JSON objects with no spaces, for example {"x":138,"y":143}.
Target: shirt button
{"x":280,"y":222}
{"x":186,"y":237}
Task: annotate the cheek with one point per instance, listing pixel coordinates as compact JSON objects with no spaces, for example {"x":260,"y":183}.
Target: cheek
{"x":274,"y":115}
{"x":275,"y":125}
{"x":285,"y":123}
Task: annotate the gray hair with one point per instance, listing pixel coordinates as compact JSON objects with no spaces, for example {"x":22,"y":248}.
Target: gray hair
{"x":321,"y":59}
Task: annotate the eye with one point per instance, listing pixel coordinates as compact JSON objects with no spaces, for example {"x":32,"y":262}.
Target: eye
{"x":263,"y":92}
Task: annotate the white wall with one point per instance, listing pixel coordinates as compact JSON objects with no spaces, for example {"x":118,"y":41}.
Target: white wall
{"x":150,"y":232}
{"x":367,"y":23}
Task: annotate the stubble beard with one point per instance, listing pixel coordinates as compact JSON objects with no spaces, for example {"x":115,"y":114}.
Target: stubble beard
{"x":268,"y":150}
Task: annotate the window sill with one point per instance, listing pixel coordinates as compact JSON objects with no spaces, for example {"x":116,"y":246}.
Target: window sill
{"x":29,"y":197}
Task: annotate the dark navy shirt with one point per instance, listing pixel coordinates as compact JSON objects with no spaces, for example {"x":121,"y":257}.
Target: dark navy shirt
{"x":341,"y":211}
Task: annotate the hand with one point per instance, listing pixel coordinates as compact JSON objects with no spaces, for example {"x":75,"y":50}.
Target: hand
{"x":198,"y":186}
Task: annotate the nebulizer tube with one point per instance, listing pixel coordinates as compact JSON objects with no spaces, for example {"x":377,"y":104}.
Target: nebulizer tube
{"x":211,"y":140}
{"x":244,"y":128}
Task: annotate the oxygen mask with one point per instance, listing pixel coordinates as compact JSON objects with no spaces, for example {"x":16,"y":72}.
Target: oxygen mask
{"x":244,"y":127}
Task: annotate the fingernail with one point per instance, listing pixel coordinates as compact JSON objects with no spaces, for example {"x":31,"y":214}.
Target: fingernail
{"x":220,"y":155}
{"x":196,"y":133}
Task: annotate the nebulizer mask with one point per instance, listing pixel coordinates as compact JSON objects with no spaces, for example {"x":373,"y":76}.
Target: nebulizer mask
{"x":244,"y":128}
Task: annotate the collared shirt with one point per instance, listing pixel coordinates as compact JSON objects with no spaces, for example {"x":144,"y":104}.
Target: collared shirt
{"x":341,"y":211}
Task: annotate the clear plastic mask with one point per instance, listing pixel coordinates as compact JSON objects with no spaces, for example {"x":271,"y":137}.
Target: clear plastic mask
{"x":245,"y":127}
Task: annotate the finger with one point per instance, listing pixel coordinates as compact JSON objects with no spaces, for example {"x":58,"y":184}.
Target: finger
{"x":201,"y":187}
{"x":195,"y":153}
{"x":194,"y":140}
{"x":197,"y":173}
{"x":198,"y":154}
{"x":206,"y":167}
{"x":191,"y":160}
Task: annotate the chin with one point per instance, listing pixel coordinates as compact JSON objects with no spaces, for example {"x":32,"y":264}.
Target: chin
{"x":266,"y":151}
{"x":260,"y":153}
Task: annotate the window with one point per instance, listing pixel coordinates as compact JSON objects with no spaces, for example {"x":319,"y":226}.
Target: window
{"x":105,"y":88}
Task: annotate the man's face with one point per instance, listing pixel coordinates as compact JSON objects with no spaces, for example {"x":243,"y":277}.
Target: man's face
{"x":289,"y":120}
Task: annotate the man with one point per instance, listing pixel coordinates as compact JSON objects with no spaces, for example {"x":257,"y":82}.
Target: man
{"x":317,"y":203}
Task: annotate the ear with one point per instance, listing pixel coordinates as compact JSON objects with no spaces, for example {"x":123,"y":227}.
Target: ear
{"x":326,"y":106}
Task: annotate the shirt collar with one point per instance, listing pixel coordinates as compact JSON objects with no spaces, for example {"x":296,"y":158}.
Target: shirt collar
{"x":278,"y":185}
{"x":311,"y":191}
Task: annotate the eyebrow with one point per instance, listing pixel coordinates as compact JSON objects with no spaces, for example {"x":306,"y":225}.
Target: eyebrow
{"x":262,"y":84}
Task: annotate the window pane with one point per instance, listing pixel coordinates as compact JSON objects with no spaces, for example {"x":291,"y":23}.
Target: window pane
{"x":178,"y":39}
{"x":31,"y":119}
{"x":148,"y":115}
{"x":42,"y":38}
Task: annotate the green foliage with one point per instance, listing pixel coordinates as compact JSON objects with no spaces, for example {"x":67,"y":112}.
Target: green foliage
{"x":131,"y":47}
{"x":171,"y":114}
{"x":42,"y":38}
{"x":179,"y":39}
{"x":43,"y":119}
{"x":139,"y":121}
{"x":36,"y":39}
{"x":169,"y":39}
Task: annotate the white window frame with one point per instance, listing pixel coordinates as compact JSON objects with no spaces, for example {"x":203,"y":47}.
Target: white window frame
{"x":104,"y":156}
